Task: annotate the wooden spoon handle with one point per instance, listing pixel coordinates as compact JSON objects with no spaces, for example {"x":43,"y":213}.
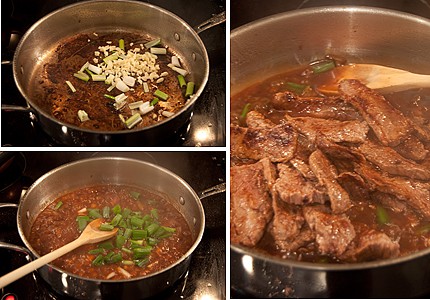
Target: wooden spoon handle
{"x":28,"y":268}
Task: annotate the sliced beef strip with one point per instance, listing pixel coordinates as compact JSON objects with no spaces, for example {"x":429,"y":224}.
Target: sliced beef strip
{"x":373,"y":245}
{"x":333,"y":232}
{"x":293,"y":188}
{"x":327,"y":174}
{"x":250,"y":201}
{"x":317,"y":107}
{"x":286,"y":226}
{"x":415,"y":194}
{"x":388,"y":160}
{"x":388,"y":123}
{"x":303,"y":168}
{"x":278,"y":143}
{"x":411,"y":147}
{"x":333,"y":130}
{"x":257,"y":120}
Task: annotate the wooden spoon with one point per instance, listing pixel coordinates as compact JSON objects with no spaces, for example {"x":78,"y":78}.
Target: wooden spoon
{"x":374,"y":77}
{"x":91,"y":234}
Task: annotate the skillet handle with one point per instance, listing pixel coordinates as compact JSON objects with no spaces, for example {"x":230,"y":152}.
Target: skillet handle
{"x":215,"y":20}
{"x":217,"y":189}
{"x":7,"y":108}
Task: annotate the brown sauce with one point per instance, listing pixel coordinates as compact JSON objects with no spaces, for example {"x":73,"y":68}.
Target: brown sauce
{"x":55,"y":227}
{"x":403,"y":227}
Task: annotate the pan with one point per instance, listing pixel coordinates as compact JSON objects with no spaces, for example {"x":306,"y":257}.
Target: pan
{"x":46,"y":34}
{"x":358,"y":34}
{"x":112,"y":170}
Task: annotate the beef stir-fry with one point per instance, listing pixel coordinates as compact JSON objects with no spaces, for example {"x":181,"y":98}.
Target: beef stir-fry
{"x":329,"y":179}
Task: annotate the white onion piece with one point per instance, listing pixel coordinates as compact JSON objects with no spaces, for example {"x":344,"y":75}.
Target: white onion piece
{"x":175,"y":61}
{"x":158,"y":50}
{"x":135,"y":105}
{"x":83,"y":116}
{"x":120,"y":98}
{"x":124,"y":272}
{"x":180,"y":71}
{"x":95,"y":69}
{"x":167,"y":114}
{"x":145,"y":87}
{"x":120,"y":85}
{"x":128,"y":80}
{"x":145,"y":109}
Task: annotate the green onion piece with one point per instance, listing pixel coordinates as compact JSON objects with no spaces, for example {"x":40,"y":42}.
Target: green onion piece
{"x":116,"y":209}
{"x":106,"y":245}
{"x":136,"y":244}
{"x":141,"y":252}
{"x":82,"y":222}
{"x":82,"y":76}
{"x":245,"y":110}
{"x":136,"y":221}
{"x":323,"y":67}
{"x":154,"y":101}
{"x":120,"y":241}
{"x":113,"y":56}
{"x":106,"y":227}
{"x":135,"y":195}
{"x":72,"y":88}
{"x":296,"y":87}
{"x":152,"y":43}
{"x":126,"y":250}
{"x":139,"y":234}
{"x":94,"y":214}
{"x":126,"y":212}
{"x":109,"y":96}
{"x":152,"y":228}
{"x":127,"y":233}
{"x":133,"y":120}
{"x":123,"y":223}
{"x":152,"y":241}
{"x":98,"y":261}
{"x":382,"y":215}
{"x":190,"y":89}
{"x":96,"y":77}
{"x":59,"y":204}
{"x":115,"y":258}
{"x":106,"y":212}
{"x":158,"y":51}
{"x":121,"y":44}
{"x":141,"y":262}
{"x":161,"y":95}
{"x":82,"y":115}
{"x":96,"y":251}
{"x":128,"y":262}
{"x":115,"y":221}
{"x":181,"y":80}
{"x":154,"y":213}
{"x":108,"y":256}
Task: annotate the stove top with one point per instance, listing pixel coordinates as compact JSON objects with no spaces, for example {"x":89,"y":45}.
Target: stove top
{"x":207,"y":125}
{"x":206,"y":275}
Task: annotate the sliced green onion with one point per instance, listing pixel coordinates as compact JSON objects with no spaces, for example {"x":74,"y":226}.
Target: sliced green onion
{"x":128,"y":262}
{"x":58,"y":205}
{"x":137,"y":222}
{"x":126,"y":212}
{"x":85,"y":66}
{"x":126,"y":250}
{"x":98,"y":77}
{"x":94,"y":214}
{"x":127,"y":233}
{"x":135,"y":105}
{"x":121,"y":44}
{"x":82,"y":222}
{"x":190,"y":89}
{"x":296,"y":87}
{"x":245,"y":110}
{"x":116,"y":209}
{"x":82,"y":76}
{"x":152,"y":228}
{"x":152,"y":43}
{"x":120,"y":241}
{"x":96,"y":251}
{"x":106,"y":245}
{"x":98,"y":261}
{"x":109,"y":97}
{"x":106,"y":212}
{"x":115,"y":221}
{"x":154,"y":101}
{"x":106,"y":227}
{"x":182,"y":82}
{"x":145,"y":87}
{"x":323,"y":67}
{"x":133,"y":120}
{"x":139,"y":234}
{"x":72,"y":88}
{"x":158,"y":51}
{"x":113,"y":56}
{"x":135,"y":195}
{"x":161,"y":95}
{"x":154,"y":213}
{"x":382,"y":215}
{"x":141,"y":262}
{"x":141,"y":252}
{"x":94,"y":69}
{"x":115,"y":258}
{"x":181,"y":71}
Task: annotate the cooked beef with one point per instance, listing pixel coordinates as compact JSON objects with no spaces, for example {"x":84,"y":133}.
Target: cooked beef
{"x":411,"y":147}
{"x":303,"y":168}
{"x":287,"y":224}
{"x":414,"y":193}
{"x":373,"y":245}
{"x":256,"y":120}
{"x":293,"y":188}
{"x":333,"y":232}
{"x":333,"y":130}
{"x":390,"y":161}
{"x":388,"y":123}
{"x":317,"y":107}
{"x":250,"y":202}
{"x":278,"y":143}
{"x":326,"y":173}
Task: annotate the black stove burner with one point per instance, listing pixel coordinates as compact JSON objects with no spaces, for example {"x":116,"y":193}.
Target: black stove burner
{"x":207,"y":126}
